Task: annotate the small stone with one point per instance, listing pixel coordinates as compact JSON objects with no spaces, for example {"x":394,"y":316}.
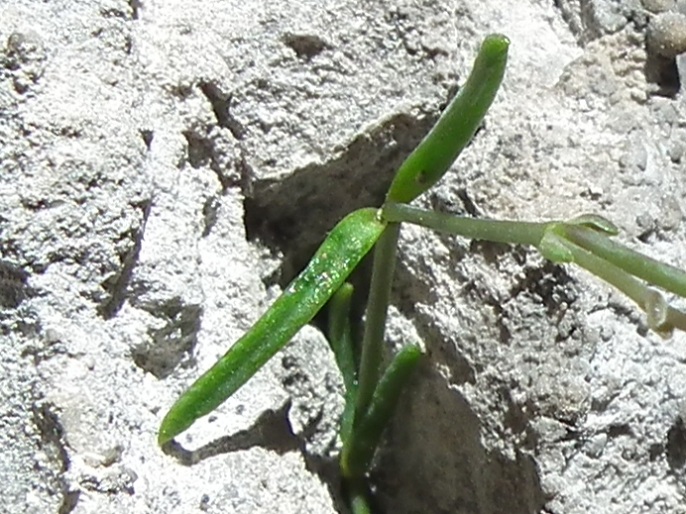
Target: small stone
{"x":635,"y":157}
{"x":13,"y":286}
{"x":25,"y":56}
{"x":667,"y":34}
{"x":658,"y":6}
{"x":676,"y":151}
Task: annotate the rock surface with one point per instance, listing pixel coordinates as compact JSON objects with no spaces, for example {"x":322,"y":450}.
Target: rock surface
{"x":165,"y":168}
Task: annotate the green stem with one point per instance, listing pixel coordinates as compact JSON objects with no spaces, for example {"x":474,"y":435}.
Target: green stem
{"x":375,"y":322}
{"x":583,"y":241}
{"x":652,"y":271}
{"x":511,"y":232}
{"x":661,"y":317}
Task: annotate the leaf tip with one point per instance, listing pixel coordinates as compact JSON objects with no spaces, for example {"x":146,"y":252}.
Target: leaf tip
{"x":595,"y":222}
{"x":172,"y":425}
{"x":497,"y":42}
{"x":165,"y":434}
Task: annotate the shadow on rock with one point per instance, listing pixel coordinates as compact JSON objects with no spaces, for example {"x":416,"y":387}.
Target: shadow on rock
{"x":436,"y":461}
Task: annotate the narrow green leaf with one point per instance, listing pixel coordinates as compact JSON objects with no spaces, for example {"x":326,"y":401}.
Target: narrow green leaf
{"x":458,"y":123}
{"x":358,"y":496}
{"x":335,"y":259}
{"x":358,"y":453}
{"x":341,"y":342}
{"x":661,"y":317}
{"x":554,"y":247}
{"x":340,"y":334}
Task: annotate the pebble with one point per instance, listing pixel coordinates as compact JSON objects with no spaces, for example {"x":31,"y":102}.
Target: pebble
{"x":658,"y":6}
{"x":667,"y":34}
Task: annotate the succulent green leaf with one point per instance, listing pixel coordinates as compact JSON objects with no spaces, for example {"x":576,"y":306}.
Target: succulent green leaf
{"x":335,"y":259}
{"x":341,"y":342}
{"x":340,"y":334}
{"x":456,"y":126}
{"x":358,"y":452}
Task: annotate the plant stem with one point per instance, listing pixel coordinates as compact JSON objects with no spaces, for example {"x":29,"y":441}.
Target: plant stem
{"x":586,"y":245}
{"x":661,"y":317}
{"x":652,"y":271}
{"x":375,"y":322}
{"x":511,"y":232}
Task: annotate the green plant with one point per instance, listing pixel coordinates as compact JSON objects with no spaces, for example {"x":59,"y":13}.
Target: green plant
{"x":372,"y":392}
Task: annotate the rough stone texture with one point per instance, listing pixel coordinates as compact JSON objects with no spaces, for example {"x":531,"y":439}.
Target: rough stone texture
{"x":165,"y":167}
{"x":667,"y":34}
{"x":658,"y":6}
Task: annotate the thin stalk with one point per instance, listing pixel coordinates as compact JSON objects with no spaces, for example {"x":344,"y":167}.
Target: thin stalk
{"x":630,"y":286}
{"x":652,"y":271}
{"x":375,"y":322}
{"x":587,"y":246}
{"x":661,"y":317}
{"x":511,"y":232}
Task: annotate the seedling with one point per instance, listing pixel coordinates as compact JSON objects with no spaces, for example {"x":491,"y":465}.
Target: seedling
{"x":371,"y":392}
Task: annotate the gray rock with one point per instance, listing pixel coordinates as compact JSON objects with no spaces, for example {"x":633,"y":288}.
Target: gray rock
{"x":658,"y":6}
{"x":667,"y":34}
{"x":165,"y":169}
